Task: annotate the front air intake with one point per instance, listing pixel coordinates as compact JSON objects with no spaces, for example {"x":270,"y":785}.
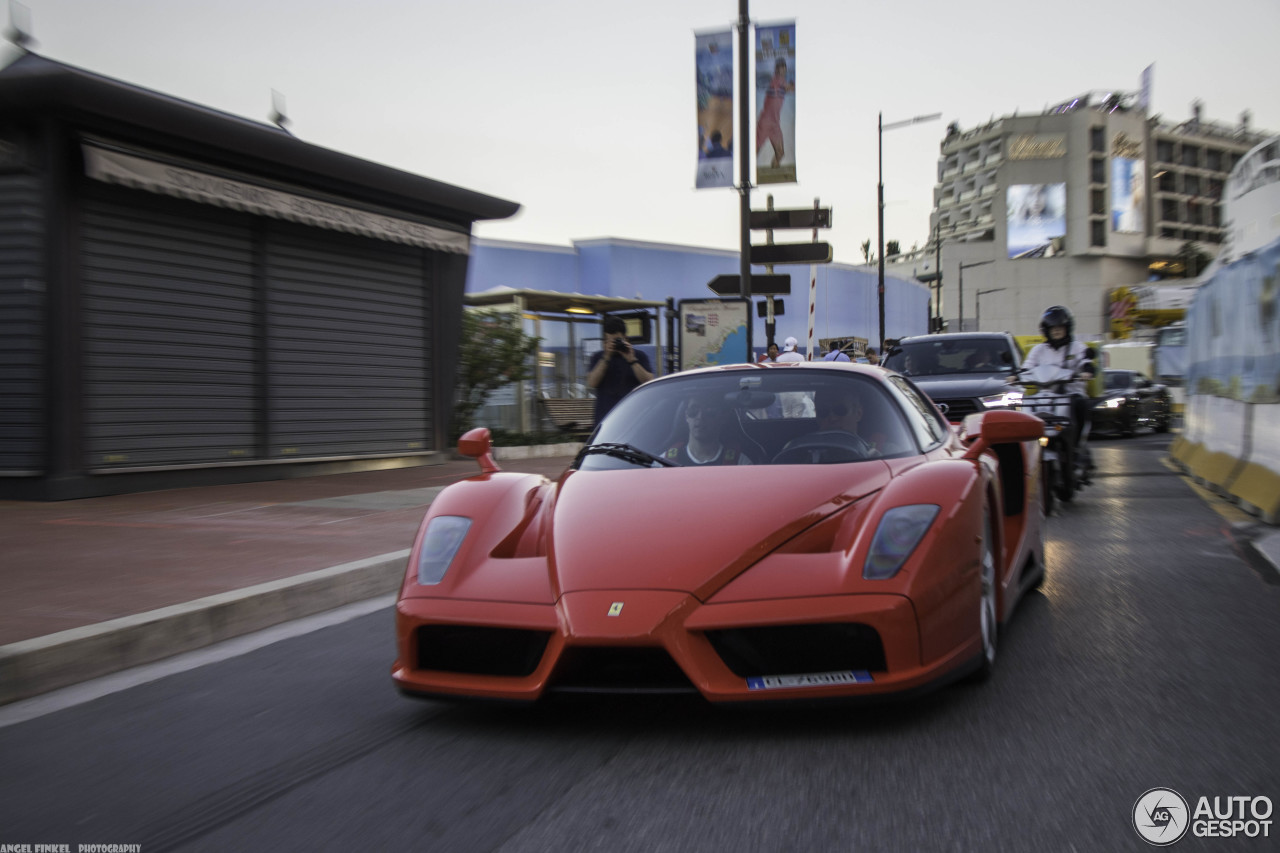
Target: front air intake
{"x":797,"y":649}
{"x":476,"y":650}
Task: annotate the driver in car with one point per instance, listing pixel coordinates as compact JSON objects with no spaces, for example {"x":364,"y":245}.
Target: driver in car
{"x":706,"y":417}
{"x":840,"y":410}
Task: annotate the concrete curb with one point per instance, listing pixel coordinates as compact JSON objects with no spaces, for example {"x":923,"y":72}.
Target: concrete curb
{"x":1268,"y":547}
{"x":31,"y":667}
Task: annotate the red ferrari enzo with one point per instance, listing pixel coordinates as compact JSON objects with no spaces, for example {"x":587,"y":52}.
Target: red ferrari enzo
{"x":749,"y":532}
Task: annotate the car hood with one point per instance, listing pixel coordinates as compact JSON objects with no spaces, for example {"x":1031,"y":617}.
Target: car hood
{"x":1117,"y":392}
{"x":951,"y":385}
{"x":689,"y":529}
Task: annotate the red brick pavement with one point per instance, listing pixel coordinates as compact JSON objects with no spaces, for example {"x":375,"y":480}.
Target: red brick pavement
{"x":74,"y":563}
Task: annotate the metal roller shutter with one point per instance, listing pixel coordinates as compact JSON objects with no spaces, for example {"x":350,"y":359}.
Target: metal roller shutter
{"x":169,"y":348}
{"x":348,"y":333}
{"x":22,"y":306}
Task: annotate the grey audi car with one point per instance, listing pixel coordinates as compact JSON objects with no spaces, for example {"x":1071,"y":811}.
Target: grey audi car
{"x":963,"y":372}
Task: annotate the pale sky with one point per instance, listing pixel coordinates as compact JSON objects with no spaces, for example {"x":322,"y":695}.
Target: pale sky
{"x":583,"y":111}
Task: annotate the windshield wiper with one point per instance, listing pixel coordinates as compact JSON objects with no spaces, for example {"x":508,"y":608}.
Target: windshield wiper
{"x":627,"y":452}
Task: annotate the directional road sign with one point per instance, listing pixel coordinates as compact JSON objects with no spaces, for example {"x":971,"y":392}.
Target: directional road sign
{"x":801,"y":217}
{"x":761,"y":284}
{"x":791,"y":253}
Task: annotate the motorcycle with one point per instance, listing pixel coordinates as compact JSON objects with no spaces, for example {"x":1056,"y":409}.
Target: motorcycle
{"x":1068,"y":464}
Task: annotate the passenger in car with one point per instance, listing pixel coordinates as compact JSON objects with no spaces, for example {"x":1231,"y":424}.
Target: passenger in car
{"x":707,"y":417}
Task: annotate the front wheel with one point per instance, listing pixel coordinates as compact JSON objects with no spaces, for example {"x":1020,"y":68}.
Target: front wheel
{"x":1064,"y":481}
{"x":988,"y":609}
{"x":1048,"y":484}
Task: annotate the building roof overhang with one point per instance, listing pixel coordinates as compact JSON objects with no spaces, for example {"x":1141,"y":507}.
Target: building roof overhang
{"x":38,"y":87}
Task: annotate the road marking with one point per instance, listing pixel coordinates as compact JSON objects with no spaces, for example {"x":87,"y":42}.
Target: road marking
{"x":78,"y":694}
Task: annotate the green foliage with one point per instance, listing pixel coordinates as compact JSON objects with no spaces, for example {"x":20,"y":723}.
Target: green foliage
{"x":507,"y":438}
{"x":493,"y":351}
{"x":892,"y":248}
{"x":866,"y":250}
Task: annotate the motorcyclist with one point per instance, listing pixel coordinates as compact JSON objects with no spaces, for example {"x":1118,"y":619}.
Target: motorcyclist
{"x":1061,"y":349}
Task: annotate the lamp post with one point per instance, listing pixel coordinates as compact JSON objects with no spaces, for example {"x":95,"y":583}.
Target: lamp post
{"x":960,"y":284}
{"x":978,"y":309}
{"x":881,"y":127}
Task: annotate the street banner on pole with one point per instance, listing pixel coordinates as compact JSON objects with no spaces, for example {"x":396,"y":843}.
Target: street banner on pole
{"x":776,"y":104}
{"x":714,"y":63}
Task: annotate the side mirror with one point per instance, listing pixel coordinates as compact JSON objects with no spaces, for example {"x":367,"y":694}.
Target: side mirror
{"x":999,"y":426}
{"x":1090,"y":353}
{"x":478,"y":445}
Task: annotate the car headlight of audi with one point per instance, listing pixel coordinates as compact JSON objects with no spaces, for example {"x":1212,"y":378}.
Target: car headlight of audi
{"x":440,"y":545}
{"x":900,"y":531}
{"x":1002,"y":400}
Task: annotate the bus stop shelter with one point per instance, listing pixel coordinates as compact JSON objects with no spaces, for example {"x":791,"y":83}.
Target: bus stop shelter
{"x":569,"y":327}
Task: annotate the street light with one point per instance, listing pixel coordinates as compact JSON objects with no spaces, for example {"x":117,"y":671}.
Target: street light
{"x":881,"y":127}
{"x":978,"y":310}
{"x":960,"y":283}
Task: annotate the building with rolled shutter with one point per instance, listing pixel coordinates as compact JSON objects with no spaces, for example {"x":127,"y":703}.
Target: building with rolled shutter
{"x":189,"y":297}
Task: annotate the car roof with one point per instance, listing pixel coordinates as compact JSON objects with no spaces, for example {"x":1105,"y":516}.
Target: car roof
{"x":848,"y":366}
{"x":952,"y":336}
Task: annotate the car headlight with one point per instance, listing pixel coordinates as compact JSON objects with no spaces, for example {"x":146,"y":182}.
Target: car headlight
{"x":900,"y":531}
{"x":439,"y":546}
{"x":1113,"y":403}
{"x":1006,"y":398}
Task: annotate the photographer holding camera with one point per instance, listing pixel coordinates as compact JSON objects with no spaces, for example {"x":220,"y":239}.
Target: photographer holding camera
{"x":617,"y":368}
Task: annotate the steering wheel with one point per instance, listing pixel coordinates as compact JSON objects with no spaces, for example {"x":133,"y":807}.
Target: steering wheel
{"x":824,"y":448}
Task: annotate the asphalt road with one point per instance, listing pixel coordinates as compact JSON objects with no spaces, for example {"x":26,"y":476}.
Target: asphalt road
{"x":1148,"y":660}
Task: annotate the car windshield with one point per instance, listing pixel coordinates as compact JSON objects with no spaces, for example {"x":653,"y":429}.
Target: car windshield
{"x":753,"y":416}
{"x":938,"y":357}
{"x":1117,"y":379}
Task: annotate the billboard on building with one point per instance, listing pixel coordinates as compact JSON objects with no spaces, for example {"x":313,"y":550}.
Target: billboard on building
{"x":1036,"y":219}
{"x":1128,"y":195}
{"x":776,"y":104}
{"x":714,"y":63}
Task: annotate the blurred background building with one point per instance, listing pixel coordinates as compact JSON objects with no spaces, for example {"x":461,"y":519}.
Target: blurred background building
{"x":1066,"y":206}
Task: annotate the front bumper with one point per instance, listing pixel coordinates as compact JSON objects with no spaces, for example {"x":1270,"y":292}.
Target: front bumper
{"x":630,"y":641}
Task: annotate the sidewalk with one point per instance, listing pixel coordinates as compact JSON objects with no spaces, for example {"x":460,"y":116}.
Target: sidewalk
{"x":103,"y":584}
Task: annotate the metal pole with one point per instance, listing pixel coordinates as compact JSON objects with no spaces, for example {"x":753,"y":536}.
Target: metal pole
{"x":978,"y":310}
{"x":937,"y":267}
{"x":880,"y":218}
{"x":880,"y":199}
{"x":963,"y":267}
{"x":744,"y":153}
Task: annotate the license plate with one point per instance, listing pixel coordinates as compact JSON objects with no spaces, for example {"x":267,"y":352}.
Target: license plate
{"x":810,"y":679}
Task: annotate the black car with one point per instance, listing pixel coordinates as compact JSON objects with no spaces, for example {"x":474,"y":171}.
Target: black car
{"x":1131,"y":400}
{"x":963,"y":372}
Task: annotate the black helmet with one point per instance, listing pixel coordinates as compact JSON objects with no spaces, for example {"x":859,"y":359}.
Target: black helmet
{"x":1057,"y":315}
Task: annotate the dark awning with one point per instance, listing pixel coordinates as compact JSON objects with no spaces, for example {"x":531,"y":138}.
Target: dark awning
{"x":42,"y":88}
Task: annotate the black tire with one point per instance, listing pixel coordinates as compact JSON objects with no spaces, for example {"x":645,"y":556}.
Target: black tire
{"x":988,"y":601}
{"x":1047,"y":482}
{"x":1130,"y":425}
{"x":1064,"y":484}
{"x":1164,"y":418}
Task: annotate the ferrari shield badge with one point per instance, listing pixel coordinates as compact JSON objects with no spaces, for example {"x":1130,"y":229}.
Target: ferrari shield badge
{"x":615,"y":609}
